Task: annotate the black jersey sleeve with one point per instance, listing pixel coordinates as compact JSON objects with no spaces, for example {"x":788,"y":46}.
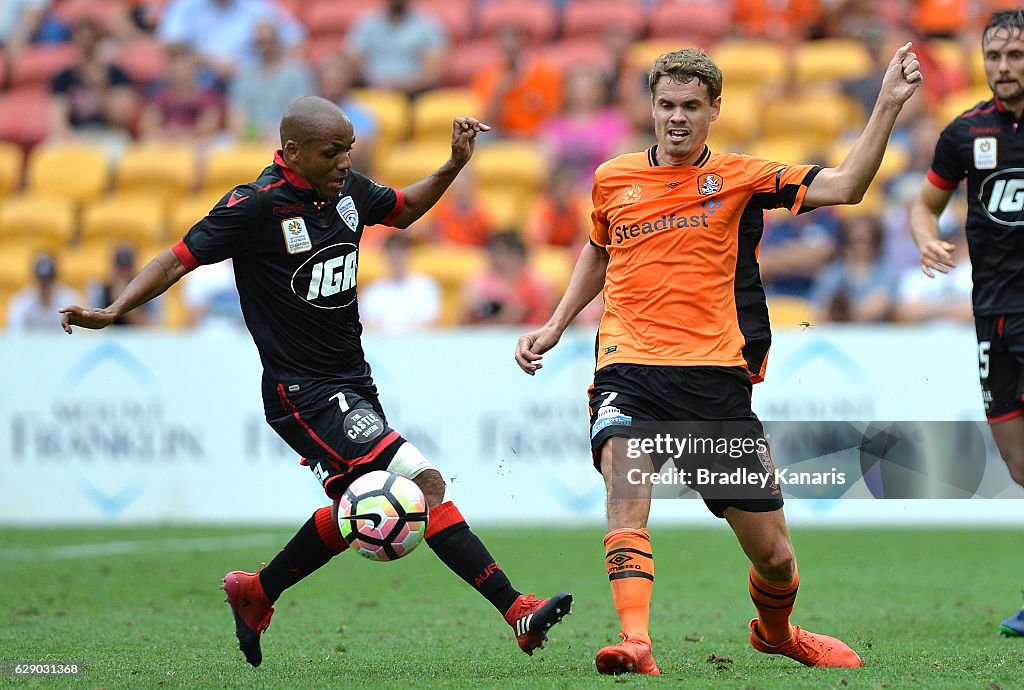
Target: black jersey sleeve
{"x":227,"y":230}
{"x":947,"y":163}
{"x":377,"y":203}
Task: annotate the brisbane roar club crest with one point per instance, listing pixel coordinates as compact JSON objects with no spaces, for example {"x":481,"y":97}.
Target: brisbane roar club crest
{"x":709,"y":183}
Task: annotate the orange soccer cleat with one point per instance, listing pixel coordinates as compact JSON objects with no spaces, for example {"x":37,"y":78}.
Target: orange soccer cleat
{"x":810,"y":649}
{"x":632,"y":655}
{"x":251,"y":609}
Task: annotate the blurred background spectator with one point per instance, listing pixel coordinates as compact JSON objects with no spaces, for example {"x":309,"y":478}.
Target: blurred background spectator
{"x":794,"y":249}
{"x":182,"y":108}
{"x":398,"y":48}
{"x":560,"y":216}
{"x":460,"y":217}
{"x":946,"y":297}
{"x":210,"y":294}
{"x":20,"y":20}
{"x":335,"y":76}
{"x":508,"y":291}
{"x":35,"y":306}
{"x":122,"y":270}
{"x":402,"y":300}
{"x":858,"y":285}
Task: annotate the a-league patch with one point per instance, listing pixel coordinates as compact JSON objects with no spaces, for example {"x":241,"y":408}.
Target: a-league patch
{"x":985,"y":153}
{"x":609,"y":415}
{"x":347,"y":210}
{"x":296,"y":238}
{"x":362,"y":425}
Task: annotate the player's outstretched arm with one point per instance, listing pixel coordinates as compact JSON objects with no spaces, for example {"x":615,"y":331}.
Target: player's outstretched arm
{"x":847,"y":183}
{"x":421,"y":196}
{"x":154,"y":278}
{"x":586,"y":283}
{"x":936,"y":254}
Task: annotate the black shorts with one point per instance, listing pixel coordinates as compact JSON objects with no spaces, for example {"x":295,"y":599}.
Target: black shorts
{"x":1001,"y":365}
{"x":341,"y":440}
{"x":634,"y":400}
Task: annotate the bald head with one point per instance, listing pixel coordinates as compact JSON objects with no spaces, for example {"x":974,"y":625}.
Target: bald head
{"x":311,"y":117}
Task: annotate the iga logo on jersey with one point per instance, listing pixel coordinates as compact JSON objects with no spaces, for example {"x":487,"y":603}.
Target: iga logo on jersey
{"x":1002,"y":196}
{"x":327,"y":280}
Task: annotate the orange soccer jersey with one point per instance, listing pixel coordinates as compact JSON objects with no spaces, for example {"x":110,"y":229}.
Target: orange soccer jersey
{"x":682,"y":287}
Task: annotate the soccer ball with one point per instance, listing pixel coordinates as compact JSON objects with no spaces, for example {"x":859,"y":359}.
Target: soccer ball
{"x":382,"y":515}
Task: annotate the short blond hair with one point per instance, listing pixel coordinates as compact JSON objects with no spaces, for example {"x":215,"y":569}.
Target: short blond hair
{"x":683,"y":65}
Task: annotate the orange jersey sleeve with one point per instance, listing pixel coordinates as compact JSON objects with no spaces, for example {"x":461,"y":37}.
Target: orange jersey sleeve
{"x":673,"y":237}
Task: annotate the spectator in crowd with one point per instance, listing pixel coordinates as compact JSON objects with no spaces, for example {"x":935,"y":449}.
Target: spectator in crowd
{"x":460,"y":217}
{"x":93,"y":99}
{"x":335,"y":77}
{"x":19,"y":22}
{"x":210,"y":295}
{"x":560,"y":216}
{"x":947,"y":297}
{"x":398,"y":48}
{"x":401,"y":301}
{"x":34,"y":307}
{"x":221,"y":31}
{"x":794,"y":249}
{"x":587,"y":132}
{"x":260,"y":94}
{"x":520,"y":90}
{"x":787,"y":21}
{"x":858,"y":285}
{"x":508,"y":291}
{"x":182,"y":108}
{"x":121,"y":273}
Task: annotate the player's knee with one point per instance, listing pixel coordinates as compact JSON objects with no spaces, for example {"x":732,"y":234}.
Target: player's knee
{"x":1015,"y":464}
{"x":410,"y":462}
{"x":778,"y":564}
{"x":433,"y":486}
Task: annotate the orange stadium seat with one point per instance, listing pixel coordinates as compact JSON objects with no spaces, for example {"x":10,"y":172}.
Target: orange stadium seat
{"x":80,"y":172}
{"x":831,"y":59}
{"x":819,"y":115}
{"x":454,"y":15}
{"x":24,"y":116}
{"x":433,"y":112}
{"x":145,"y":60}
{"x":333,"y":17}
{"x":751,"y":62}
{"x":466,"y":59}
{"x":234,"y":165}
{"x":702,"y":25}
{"x":190,"y":210}
{"x":538,"y":17}
{"x":40,"y":222}
{"x":412,"y":162}
{"x":568,"y":53}
{"x":131,"y":218}
{"x":11,"y":158}
{"x":166,"y":170}
{"x":36,"y":65}
{"x":594,"y":17}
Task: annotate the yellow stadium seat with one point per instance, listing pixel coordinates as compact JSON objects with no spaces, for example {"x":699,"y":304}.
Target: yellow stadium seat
{"x":791,"y":150}
{"x":740,"y":117}
{"x":392,"y":112}
{"x":164,"y":169}
{"x":790,"y":312}
{"x":517,"y":164}
{"x":751,"y":63}
{"x":16,"y":268}
{"x":977,"y":67}
{"x":507,"y":206}
{"x":40,"y":222}
{"x":10,"y":168}
{"x":955,"y":104}
{"x":86,"y":263}
{"x":138,"y":220}
{"x":433,"y":112}
{"x":77,"y":171}
{"x":642,"y":54}
{"x":816,"y":115}
{"x":412,"y":162}
{"x":555,"y":263}
{"x":831,"y":59}
{"x":372,"y":264}
{"x":190,"y":210}
{"x":449,"y":264}
{"x":5,"y":299}
{"x":235,"y":165}
{"x":894,"y":161}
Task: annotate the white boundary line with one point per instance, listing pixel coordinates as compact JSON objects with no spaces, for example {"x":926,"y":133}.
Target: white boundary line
{"x":110,"y":548}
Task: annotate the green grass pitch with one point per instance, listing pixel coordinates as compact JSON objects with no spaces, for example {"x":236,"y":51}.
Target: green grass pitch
{"x":141,"y":608}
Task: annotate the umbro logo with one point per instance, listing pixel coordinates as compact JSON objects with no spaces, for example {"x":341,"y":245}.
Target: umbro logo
{"x":620,"y":559}
{"x":672,"y":185}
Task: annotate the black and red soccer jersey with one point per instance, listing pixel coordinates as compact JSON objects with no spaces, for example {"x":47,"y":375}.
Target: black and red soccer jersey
{"x":296,"y":259}
{"x":986,"y":145}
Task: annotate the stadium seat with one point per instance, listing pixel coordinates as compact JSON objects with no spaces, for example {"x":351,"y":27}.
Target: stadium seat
{"x":702,"y":25}
{"x":188,"y":211}
{"x":790,"y":312}
{"x":41,"y":222}
{"x":454,"y":15}
{"x":80,"y":172}
{"x":751,"y":62}
{"x":166,"y":170}
{"x":642,"y":54}
{"x":412,"y":162}
{"x":37,"y":64}
{"x":555,"y":263}
{"x":145,"y":60}
{"x":791,"y":150}
{"x":392,"y":112}
{"x":831,"y":59}
{"x":894,"y":161}
{"x":11,"y":157}
{"x":568,"y":53}
{"x":234,"y":165}
{"x":955,"y":104}
{"x":594,"y":17}
{"x":86,"y":263}
{"x":109,"y":15}
{"x":816,"y":115}
{"x":538,"y":17}
{"x":451,"y":266}
{"x":16,"y":268}
{"x":24,"y":116}
{"x":5,"y":298}
{"x":977,"y":68}
{"x":135,"y":219}
{"x":332,"y":17}
{"x":508,"y":207}
{"x":740,"y":116}
{"x":511,"y":164}
{"x":467,"y":58}
{"x":433,"y":112}
{"x":372,"y":264}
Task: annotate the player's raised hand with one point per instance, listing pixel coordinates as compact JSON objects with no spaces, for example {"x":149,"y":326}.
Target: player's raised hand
{"x":75,"y":315}
{"x":903,"y":76}
{"x":531,"y":348}
{"x":464,"y":131}
{"x":937,"y":255}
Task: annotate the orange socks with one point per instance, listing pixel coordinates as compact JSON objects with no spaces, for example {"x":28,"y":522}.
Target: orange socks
{"x":774,"y":602}
{"x":630,"y":565}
